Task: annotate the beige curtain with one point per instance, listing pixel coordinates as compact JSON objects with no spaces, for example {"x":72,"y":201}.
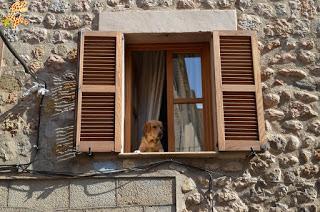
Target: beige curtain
{"x":149,"y":68}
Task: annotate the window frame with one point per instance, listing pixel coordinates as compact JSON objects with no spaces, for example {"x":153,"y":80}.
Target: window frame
{"x":202,"y":48}
{"x":219,"y":141}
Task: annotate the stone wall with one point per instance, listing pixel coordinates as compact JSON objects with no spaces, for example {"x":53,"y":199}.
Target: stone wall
{"x":284,"y":177}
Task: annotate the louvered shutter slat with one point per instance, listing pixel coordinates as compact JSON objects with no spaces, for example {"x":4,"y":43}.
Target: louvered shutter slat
{"x":238,"y":91}
{"x":99,"y":95}
{"x":105,"y":64}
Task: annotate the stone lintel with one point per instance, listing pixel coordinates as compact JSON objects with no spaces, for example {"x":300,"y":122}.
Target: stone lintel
{"x":171,"y":21}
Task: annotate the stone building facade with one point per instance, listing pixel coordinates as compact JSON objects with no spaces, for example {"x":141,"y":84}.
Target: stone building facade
{"x":284,"y":177}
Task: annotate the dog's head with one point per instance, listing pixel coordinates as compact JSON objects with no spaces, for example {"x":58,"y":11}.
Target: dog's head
{"x":153,"y":129}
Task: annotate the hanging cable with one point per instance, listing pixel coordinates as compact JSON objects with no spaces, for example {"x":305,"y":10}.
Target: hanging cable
{"x":16,"y":55}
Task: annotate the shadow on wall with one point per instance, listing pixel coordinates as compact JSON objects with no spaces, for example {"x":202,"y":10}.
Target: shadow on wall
{"x":38,"y":189}
{"x":19,"y":120}
{"x":58,"y":127}
{"x":64,"y":147}
{"x":56,"y":64}
{"x":93,"y":193}
{"x":18,"y":125}
{"x":63,"y":96}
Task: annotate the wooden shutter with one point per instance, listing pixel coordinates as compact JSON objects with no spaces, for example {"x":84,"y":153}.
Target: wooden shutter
{"x":240,"y":120}
{"x":98,"y":119}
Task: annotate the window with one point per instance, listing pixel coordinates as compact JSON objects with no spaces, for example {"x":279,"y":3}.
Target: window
{"x":170,"y":83}
{"x":204,"y":87}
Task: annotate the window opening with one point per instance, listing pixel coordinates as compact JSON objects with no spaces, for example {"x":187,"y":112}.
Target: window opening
{"x":168,"y":85}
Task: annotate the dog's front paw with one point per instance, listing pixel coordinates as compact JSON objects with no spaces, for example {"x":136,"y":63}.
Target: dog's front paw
{"x":137,"y":151}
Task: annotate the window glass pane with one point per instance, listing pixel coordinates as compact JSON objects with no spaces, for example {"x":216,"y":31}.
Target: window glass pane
{"x":188,"y":127}
{"x":187,"y":76}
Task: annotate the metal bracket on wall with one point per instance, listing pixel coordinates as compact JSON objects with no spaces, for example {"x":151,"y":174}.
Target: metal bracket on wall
{"x":252,"y":153}
{"x":90,"y":154}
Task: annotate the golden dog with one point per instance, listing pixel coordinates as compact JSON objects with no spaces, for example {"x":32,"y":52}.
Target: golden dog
{"x":152,"y":134}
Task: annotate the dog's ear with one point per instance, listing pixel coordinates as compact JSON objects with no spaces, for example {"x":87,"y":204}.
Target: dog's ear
{"x":146,"y":128}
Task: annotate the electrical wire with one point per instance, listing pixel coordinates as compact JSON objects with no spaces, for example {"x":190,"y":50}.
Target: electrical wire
{"x":40,"y":81}
{"x":136,"y":169}
{"x":144,"y":168}
{"x":16,"y":55}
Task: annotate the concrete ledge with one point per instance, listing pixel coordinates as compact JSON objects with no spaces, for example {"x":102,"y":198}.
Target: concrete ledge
{"x":196,"y":155}
{"x":168,"y":21}
{"x":137,"y":194}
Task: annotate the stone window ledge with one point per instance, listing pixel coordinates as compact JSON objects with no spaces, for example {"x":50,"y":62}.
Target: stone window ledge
{"x":207,"y":154}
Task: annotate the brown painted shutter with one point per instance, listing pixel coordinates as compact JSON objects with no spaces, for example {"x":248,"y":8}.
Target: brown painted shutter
{"x":240,"y":120}
{"x":98,"y":124}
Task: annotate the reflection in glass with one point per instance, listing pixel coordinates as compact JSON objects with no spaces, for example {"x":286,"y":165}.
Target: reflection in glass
{"x":187,"y":76}
{"x":188,"y":127}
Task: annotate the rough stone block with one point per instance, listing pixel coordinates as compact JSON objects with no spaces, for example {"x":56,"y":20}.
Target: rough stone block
{"x":3,"y":193}
{"x":118,"y":209}
{"x":17,"y":209}
{"x":160,"y":209}
{"x":146,"y":191}
{"x":39,"y":194}
{"x":168,"y":21}
{"x":85,"y":193}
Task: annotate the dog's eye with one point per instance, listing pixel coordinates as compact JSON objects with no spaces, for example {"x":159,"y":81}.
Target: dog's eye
{"x":154,"y":127}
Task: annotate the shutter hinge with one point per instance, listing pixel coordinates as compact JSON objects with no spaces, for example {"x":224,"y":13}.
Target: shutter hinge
{"x":90,"y":153}
{"x":252,"y":153}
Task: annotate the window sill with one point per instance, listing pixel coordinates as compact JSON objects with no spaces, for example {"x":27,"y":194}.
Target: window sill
{"x":208,"y":154}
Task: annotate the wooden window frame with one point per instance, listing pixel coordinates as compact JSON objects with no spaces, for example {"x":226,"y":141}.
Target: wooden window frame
{"x":202,"y":48}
